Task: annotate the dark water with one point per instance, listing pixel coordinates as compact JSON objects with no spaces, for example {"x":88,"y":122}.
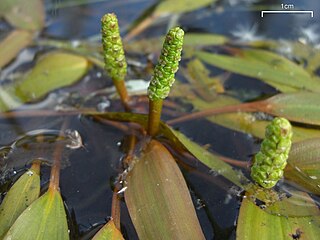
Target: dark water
{"x":86,"y":185}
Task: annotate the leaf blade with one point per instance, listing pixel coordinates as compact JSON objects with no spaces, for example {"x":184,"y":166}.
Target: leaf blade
{"x":45,"y":218}
{"x":28,"y":15}
{"x":13,"y":44}
{"x":108,"y":231}
{"x":253,"y":222}
{"x":18,"y":198}
{"x":158,"y":199}
{"x":54,"y":70}
{"x":265,"y":66}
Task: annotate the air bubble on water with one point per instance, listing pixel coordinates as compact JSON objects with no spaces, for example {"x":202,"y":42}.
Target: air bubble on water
{"x":297,"y":168}
{"x":122,"y":190}
{"x":103,"y":105}
{"x":119,"y":144}
{"x":200,"y":204}
{"x":99,"y":74}
{"x":86,"y":79}
{"x":75,"y":43}
{"x":214,"y":172}
{"x":227,"y":199}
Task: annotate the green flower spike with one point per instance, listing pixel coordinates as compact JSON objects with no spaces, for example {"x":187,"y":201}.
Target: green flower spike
{"x":270,"y":161}
{"x":115,"y":61}
{"x":168,"y":64}
{"x":163,"y":76}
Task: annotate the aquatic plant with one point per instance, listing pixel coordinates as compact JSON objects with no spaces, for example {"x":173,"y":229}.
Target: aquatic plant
{"x":147,"y":180}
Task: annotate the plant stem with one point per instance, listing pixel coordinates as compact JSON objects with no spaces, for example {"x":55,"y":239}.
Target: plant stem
{"x":122,"y":91}
{"x":155,"y":108}
{"x":245,"y":107}
{"x":115,"y":207}
{"x":35,"y":167}
{"x":55,"y":170}
{"x":139,"y":28}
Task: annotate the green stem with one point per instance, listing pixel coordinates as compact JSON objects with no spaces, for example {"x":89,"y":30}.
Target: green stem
{"x":155,"y":108}
{"x":122,"y":91}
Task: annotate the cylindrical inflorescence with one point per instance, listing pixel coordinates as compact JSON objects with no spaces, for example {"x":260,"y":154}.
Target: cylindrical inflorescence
{"x":163,"y":76}
{"x":115,"y":61}
{"x":270,"y":161}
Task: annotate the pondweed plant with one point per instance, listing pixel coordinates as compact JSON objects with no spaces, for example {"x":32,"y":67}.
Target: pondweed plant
{"x":150,"y":182}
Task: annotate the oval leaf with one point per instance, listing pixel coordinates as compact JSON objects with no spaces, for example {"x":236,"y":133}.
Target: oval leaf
{"x":108,"y":232}
{"x":23,"y":14}
{"x":45,"y":218}
{"x":52,"y":71}
{"x":19,"y":197}
{"x":158,"y":198}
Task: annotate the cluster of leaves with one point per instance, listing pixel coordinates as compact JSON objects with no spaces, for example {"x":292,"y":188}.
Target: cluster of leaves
{"x":159,"y":209}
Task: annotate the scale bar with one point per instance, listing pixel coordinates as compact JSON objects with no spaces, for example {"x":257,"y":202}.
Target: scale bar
{"x":286,"y":11}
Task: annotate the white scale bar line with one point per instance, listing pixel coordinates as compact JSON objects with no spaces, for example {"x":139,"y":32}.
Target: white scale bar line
{"x":286,"y":11}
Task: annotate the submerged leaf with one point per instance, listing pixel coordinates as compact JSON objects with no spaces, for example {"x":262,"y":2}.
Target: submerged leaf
{"x":213,"y":161}
{"x":180,"y":6}
{"x":246,"y":122}
{"x":108,"y":232}
{"x":304,"y":164}
{"x":158,"y":198}
{"x":12,"y":45}
{"x":52,"y":71}
{"x":29,"y":15}
{"x":253,"y":222}
{"x":45,"y":218}
{"x":300,"y":107}
{"x":19,"y":197}
{"x":266,"y":66}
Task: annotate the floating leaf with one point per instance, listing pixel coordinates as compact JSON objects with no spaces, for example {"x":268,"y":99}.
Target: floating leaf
{"x":23,"y":14}
{"x":45,"y":218}
{"x":266,"y":66}
{"x":193,"y":40}
{"x":13,"y":44}
{"x":198,"y":76}
{"x":180,"y":6}
{"x":158,"y":198}
{"x":52,"y":71}
{"x":204,"y":39}
{"x":108,"y":232}
{"x":304,"y":164}
{"x":253,"y":222}
{"x":300,"y":107}
{"x":285,"y":202}
{"x":19,"y":197}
